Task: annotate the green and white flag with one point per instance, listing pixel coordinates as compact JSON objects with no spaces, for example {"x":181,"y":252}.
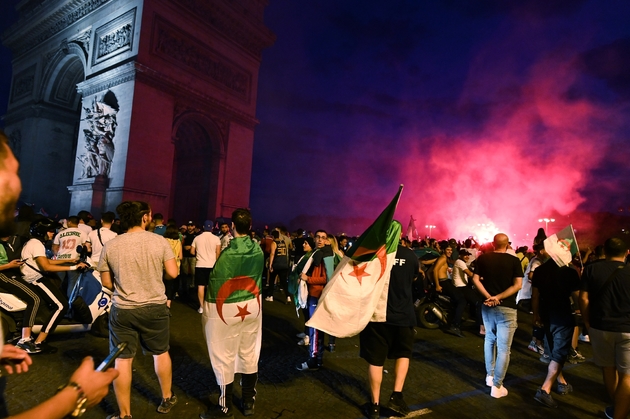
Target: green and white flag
{"x":562,"y":246}
{"x":236,"y":278}
{"x":357,"y":292}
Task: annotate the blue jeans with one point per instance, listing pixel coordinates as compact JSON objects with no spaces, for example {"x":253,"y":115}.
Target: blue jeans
{"x":500,"y":323}
{"x":316,"y":347}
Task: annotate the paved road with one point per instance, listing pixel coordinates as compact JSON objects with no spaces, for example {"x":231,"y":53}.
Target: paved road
{"x":446,"y":376}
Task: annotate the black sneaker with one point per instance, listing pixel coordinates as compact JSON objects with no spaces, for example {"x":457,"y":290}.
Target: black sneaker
{"x":564,"y":388}
{"x":373,"y":411}
{"x":397,"y":404}
{"x":309,"y":365}
{"x":217,"y":413}
{"x":248,"y":408}
{"x":29,"y":346}
{"x":455,"y":331}
{"x":45,"y":348}
{"x":545,"y":398}
{"x":167,"y":404}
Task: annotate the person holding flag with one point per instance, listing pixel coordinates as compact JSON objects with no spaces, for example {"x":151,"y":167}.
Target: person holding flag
{"x":393,"y":338}
{"x":232,"y":318}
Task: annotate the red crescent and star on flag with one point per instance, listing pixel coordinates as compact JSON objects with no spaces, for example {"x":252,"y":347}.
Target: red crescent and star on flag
{"x":358,"y":268}
{"x":238,"y":283}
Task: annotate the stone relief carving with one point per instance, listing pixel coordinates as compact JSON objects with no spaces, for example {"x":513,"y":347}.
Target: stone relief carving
{"x":114,"y":41}
{"x":22,"y":86}
{"x":99,"y":137}
{"x":182,"y":50}
{"x":84,"y":40}
{"x":222,"y":20}
{"x":114,"y":37}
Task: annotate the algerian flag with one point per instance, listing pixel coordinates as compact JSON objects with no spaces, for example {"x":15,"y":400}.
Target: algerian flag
{"x":562,"y":246}
{"x":236,"y":278}
{"x":357,"y":292}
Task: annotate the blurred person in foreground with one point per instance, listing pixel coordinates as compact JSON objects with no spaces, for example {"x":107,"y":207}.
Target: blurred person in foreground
{"x":86,"y":387}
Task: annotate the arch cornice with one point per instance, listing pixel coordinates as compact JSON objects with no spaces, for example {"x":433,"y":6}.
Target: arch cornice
{"x":41,"y":23}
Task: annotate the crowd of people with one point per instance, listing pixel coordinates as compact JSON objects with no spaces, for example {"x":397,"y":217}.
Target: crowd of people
{"x":227,"y":267}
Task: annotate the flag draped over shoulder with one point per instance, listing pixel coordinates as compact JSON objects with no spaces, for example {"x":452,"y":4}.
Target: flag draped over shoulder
{"x":357,"y":292}
{"x":562,"y":246}
{"x":236,"y":277}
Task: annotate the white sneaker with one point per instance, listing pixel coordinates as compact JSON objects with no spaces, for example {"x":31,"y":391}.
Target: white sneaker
{"x":304,"y":342}
{"x":498,"y":392}
{"x":270,"y":298}
{"x":584,"y":338}
{"x":489,"y":380}
{"x":288,"y":299}
{"x":200,"y":311}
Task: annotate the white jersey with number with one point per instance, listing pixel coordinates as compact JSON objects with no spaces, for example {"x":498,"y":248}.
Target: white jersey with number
{"x":68,"y":240}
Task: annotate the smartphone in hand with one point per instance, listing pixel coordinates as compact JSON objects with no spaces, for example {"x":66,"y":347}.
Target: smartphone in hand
{"x":107,"y":362}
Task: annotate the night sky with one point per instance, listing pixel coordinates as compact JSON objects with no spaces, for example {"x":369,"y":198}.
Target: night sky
{"x":489,"y":112}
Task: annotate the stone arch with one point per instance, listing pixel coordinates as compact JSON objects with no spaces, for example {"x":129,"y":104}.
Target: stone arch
{"x":64,"y":70}
{"x":199,"y":151}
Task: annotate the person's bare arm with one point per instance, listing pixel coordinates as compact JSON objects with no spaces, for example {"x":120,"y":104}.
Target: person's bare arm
{"x":218,"y":251}
{"x":193,"y":250}
{"x":585,"y":308}
{"x":170,"y":269}
{"x":274,"y":246}
{"x":95,"y":386}
{"x":436,"y":272}
{"x":106,"y":280}
{"x":479,"y":285}
{"x":48,"y":265}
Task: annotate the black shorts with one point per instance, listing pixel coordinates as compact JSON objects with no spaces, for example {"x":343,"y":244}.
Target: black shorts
{"x":202,"y":276}
{"x":149,"y":323}
{"x":380,"y":341}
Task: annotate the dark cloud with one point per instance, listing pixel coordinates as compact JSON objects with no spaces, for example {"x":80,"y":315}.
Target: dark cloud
{"x":610,"y":63}
{"x":532,"y":8}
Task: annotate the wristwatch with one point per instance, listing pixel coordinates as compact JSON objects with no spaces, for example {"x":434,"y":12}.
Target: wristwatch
{"x":80,"y":407}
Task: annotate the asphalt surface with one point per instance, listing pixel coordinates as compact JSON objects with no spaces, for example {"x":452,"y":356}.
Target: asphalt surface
{"x":445,"y":380}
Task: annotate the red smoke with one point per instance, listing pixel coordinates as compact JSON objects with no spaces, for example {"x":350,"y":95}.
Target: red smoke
{"x":529,"y":161}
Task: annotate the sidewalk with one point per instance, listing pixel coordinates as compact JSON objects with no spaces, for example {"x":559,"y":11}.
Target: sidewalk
{"x":445,"y":380}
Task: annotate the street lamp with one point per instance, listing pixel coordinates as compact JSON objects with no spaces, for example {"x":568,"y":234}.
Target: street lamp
{"x":547,"y":221}
{"x":430,"y":227}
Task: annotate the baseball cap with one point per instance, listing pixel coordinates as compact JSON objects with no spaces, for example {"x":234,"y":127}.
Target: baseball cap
{"x":191,"y":223}
{"x":464,"y":252}
{"x":207,"y":225}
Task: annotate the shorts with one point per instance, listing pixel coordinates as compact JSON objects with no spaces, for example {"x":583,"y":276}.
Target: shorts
{"x":611,"y":349}
{"x":202,"y":276}
{"x":380,"y":341}
{"x":559,"y":341}
{"x":149,"y":323}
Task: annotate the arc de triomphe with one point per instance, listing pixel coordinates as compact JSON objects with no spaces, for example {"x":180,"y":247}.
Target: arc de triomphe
{"x":152,"y":100}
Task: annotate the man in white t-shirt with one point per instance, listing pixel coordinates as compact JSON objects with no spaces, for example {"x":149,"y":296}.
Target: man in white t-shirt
{"x":97,"y":238}
{"x":206,"y":247}
{"x":65,"y":248}
{"x":85,"y":221}
{"x":462,"y":293}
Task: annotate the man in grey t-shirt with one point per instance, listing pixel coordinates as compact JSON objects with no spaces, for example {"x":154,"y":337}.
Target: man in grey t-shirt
{"x":133,"y":265}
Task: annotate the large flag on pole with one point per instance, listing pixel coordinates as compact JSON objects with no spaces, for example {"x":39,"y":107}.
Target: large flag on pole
{"x":562,"y":246}
{"x":357,"y":291}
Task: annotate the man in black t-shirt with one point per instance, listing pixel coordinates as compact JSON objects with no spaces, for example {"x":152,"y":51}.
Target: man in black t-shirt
{"x":189,"y":260}
{"x":498,"y":277}
{"x":552,"y":288}
{"x":605,"y":305}
{"x":394,"y":338}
